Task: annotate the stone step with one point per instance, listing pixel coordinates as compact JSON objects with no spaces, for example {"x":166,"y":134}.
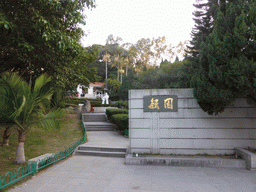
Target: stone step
{"x":112,"y":127}
{"x":100,"y":129}
{"x":94,"y":116}
{"x":87,"y":126}
{"x":99,"y":126}
{"x":95,"y":119}
{"x":101,"y":151}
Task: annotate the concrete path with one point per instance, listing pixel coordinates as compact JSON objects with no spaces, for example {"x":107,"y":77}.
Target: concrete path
{"x":106,"y":139}
{"x":86,"y":174}
{"x":96,"y":174}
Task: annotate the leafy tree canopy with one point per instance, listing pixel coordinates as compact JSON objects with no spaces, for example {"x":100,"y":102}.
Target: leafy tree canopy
{"x":42,"y":36}
{"x":169,"y":75}
{"x":227,"y":58}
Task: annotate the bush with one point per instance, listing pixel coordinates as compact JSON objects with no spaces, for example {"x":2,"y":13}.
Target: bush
{"x":114,"y":97}
{"x":111,"y":112}
{"x":74,"y":101}
{"x":97,"y":103}
{"x":121,"y":120}
{"x":94,"y":102}
{"x":121,"y":104}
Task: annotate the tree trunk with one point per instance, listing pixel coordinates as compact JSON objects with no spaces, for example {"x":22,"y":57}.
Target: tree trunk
{"x":118,"y":73}
{"x":6,"y":136}
{"x":20,"y":155}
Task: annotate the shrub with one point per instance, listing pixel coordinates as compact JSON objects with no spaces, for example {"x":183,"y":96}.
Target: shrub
{"x":111,"y":112}
{"x":121,"y":120}
{"x":121,"y":104}
{"x":94,"y":102}
{"x":114,"y":97}
{"x":74,"y":101}
{"x":97,"y":103}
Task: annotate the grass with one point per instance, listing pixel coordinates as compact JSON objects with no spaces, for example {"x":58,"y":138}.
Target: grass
{"x":39,"y":142}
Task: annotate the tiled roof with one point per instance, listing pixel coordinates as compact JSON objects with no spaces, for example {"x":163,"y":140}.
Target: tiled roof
{"x":97,"y":84}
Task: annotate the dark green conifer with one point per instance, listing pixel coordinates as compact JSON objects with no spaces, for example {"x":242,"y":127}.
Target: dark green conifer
{"x":227,"y":58}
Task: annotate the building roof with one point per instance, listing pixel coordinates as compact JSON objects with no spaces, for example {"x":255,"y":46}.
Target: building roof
{"x":97,"y":84}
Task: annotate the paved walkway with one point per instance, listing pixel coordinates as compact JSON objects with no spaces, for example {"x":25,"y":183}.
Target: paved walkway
{"x":96,"y":174}
{"x":106,"y":139}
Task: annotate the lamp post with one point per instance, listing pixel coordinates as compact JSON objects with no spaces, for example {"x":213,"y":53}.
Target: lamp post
{"x":105,"y":58}
{"x":106,"y":74}
{"x":121,"y":71}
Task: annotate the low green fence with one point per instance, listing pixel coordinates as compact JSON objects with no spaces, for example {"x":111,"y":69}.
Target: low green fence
{"x":32,"y":168}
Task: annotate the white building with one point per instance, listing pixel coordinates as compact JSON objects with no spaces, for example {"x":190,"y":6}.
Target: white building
{"x":95,"y":90}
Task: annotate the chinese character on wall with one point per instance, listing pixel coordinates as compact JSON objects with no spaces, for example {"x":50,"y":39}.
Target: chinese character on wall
{"x":168,"y":103}
{"x":154,"y":104}
{"x":160,"y":103}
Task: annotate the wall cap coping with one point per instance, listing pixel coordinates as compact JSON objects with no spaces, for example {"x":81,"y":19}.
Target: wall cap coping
{"x":248,"y":156}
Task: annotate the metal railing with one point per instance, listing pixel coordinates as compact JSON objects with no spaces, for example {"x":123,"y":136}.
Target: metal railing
{"x":32,"y":168}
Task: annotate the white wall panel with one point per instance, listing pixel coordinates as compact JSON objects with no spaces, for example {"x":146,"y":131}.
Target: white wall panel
{"x":205,"y":143}
{"x":140,"y":143}
{"x":141,"y":123}
{"x":181,"y":93}
{"x":190,"y":130}
{"x":208,"y":133}
{"x":207,"y":123}
{"x":137,"y":103}
{"x":140,"y":133}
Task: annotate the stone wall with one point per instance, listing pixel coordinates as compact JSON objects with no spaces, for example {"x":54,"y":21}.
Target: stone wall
{"x":189,"y":130}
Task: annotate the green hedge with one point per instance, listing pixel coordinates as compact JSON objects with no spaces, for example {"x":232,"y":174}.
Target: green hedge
{"x":114,"y":98}
{"x":98,"y":104}
{"x":121,"y":120}
{"x":94,"y":102}
{"x":121,"y":104}
{"x":74,"y":101}
{"x":111,"y":112}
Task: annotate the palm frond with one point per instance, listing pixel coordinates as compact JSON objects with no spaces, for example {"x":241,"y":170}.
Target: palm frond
{"x":26,"y":105}
{"x":50,"y":121}
{"x":40,"y":82}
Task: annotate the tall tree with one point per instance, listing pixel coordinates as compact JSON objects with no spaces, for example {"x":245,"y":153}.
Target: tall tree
{"x":143,"y":50}
{"x":227,"y":58}
{"x":177,"y":52}
{"x":205,"y":15}
{"x":42,"y":36}
{"x":117,"y":57}
{"x":159,"y":48}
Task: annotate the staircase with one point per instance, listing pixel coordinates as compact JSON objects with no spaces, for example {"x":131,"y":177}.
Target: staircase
{"x":100,"y":143}
{"x":97,"y":122}
{"x":94,"y":117}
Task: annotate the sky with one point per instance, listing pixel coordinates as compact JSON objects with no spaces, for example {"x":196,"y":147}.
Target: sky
{"x":135,"y":19}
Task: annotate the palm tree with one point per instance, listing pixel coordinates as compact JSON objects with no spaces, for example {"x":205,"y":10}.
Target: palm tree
{"x":5,"y":103}
{"x":25,"y":105}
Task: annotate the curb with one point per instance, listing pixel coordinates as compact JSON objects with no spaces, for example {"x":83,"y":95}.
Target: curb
{"x":186,"y":162}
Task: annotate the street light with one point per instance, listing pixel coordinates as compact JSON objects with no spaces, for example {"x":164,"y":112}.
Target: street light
{"x":106,"y":58}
